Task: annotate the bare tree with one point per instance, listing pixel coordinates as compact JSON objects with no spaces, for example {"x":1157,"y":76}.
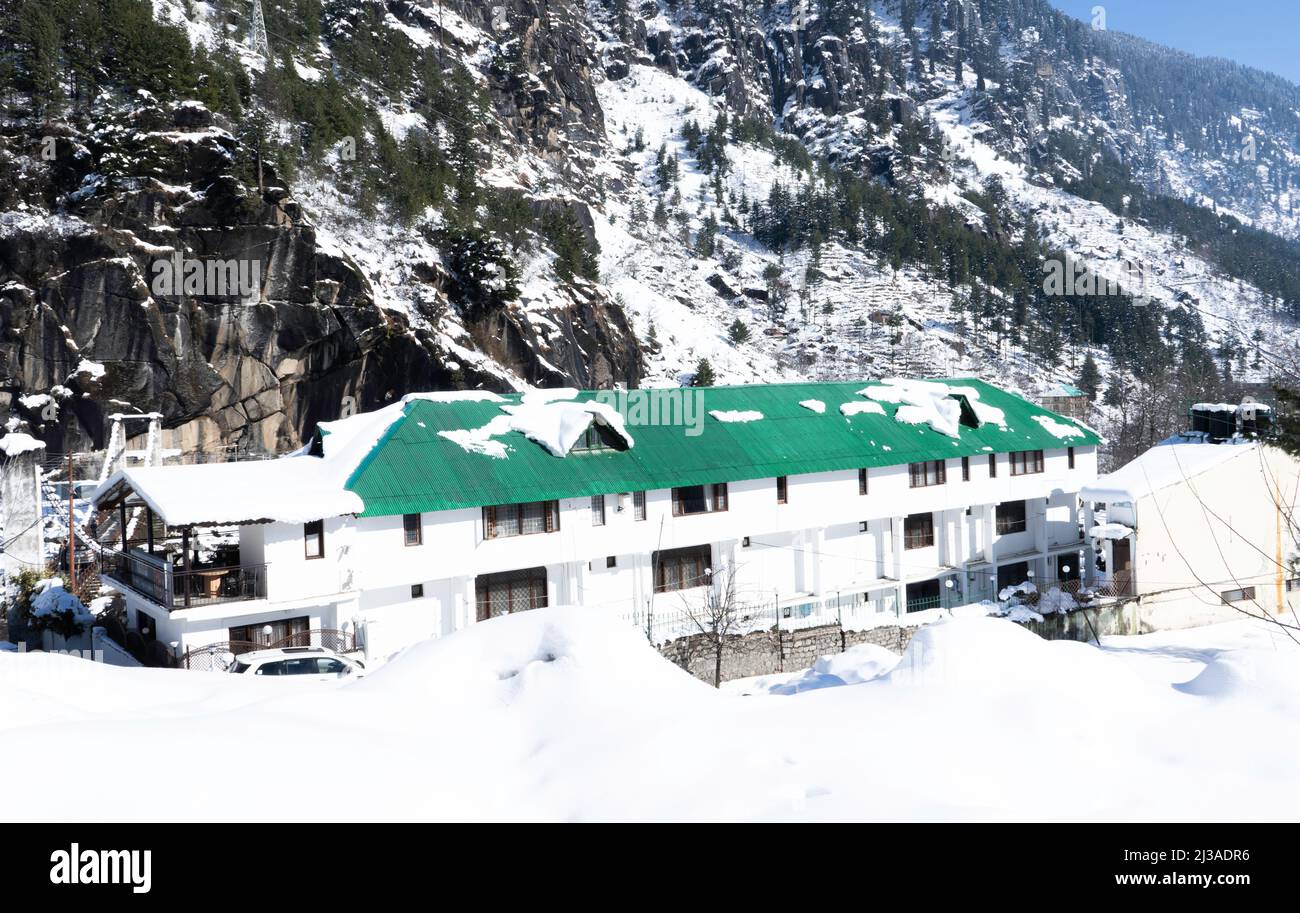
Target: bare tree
{"x":719,"y":619}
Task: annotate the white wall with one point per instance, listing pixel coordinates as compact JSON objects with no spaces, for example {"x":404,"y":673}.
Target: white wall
{"x":812,"y":544}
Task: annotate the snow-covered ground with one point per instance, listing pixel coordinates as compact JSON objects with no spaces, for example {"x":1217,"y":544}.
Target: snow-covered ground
{"x":566,"y":714}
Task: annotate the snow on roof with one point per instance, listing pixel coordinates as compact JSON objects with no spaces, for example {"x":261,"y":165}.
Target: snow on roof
{"x":737,"y":415}
{"x":16,"y":442}
{"x":1062,"y":390}
{"x":1168,"y":463}
{"x":291,"y":489}
{"x":815,"y":405}
{"x":928,"y":402}
{"x":549,"y":420}
{"x":1061,"y":430}
{"x":863,"y":408}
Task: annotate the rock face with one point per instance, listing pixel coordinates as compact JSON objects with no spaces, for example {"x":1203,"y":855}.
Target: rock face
{"x":87,"y":314}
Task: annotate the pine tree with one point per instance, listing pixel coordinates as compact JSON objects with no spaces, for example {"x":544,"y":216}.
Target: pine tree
{"x":1089,"y":380}
{"x":703,"y":374}
{"x":738,"y":332}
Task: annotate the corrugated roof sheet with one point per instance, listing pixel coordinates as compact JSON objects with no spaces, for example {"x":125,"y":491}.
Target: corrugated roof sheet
{"x":413,"y":469}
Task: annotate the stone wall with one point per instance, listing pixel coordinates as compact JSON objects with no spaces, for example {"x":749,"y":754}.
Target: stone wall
{"x":770,"y":652}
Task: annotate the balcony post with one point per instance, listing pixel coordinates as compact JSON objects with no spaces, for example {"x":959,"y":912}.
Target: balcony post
{"x":185,"y":565}
{"x":121,"y":523}
{"x":148,"y":533}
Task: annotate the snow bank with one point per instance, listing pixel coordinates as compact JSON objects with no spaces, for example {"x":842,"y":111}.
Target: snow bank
{"x":1110,"y":531}
{"x":568,"y":714}
{"x":855,"y":665}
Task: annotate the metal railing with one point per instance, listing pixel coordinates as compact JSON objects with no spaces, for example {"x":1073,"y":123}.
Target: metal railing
{"x":155,"y":578}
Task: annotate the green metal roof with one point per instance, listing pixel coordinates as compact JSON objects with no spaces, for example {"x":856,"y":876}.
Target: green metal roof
{"x":412,"y":469}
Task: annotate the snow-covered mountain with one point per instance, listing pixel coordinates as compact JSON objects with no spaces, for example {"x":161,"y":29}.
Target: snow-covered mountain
{"x":549,"y":192}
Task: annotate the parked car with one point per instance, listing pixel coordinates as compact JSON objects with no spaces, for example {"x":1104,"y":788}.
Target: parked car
{"x":304,"y":662}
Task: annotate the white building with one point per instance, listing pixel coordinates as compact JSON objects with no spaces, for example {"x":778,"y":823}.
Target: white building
{"x":1201,"y":528}
{"x":431,"y":513}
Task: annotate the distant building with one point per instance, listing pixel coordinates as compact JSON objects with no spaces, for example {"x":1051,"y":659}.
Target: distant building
{"x":1201,"y":528}
{"x":1066,"y":400}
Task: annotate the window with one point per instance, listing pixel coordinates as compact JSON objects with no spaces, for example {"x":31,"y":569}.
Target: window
{"x":411,"y":530}
{"x":782,"y":490}
{"x":1293,"y":585}
{"x":417,"y":590}
{"x":965,"y":469}
{"x":1026,"y":462}
{"x":596,"y":437}
{"x":510,"y":591}
{"x":993,"y":465}
{"x":521,"y":519}
{"x":931,"y":472}
{"x":1069,"y":455}
{"x":862,"y":482}
{"x":681,"y":568}
{"x":328,"y":666}
{"x":638,"y":505}
{"x":923,"y":595}
{"x":918,"y":531}
{"x":1245,"y":594}
{"x":611,"y":561}
{"x":1012,"y":574}
{"x":597,"y":510}
{"x":313,"y":539}
{"x":256,"y":636}
{"x":1011,"y":517}
{"x":699,"y":499}
{"x":744,"y":543}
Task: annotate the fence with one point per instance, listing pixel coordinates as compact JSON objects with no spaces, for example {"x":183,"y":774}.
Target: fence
{"x":852,"y":611}
{"x":219,"y":657}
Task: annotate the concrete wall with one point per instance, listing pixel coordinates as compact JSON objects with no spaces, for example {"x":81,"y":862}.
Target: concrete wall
{"x":20,"y":510}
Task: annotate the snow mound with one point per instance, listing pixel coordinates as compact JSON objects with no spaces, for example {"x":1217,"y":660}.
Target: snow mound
{"x":1059,"y":430}
{"x":546,"y":417}
{"x":855,"y":665}
{"x":1237,"y":674}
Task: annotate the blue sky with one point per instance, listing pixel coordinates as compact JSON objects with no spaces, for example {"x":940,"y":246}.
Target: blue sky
{"x":1259,"y":33}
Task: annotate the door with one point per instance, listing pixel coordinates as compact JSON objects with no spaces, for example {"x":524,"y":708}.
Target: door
{"x":1121,"y":556}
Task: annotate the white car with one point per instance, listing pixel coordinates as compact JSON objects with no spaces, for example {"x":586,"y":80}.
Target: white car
{"x":304,"y":662}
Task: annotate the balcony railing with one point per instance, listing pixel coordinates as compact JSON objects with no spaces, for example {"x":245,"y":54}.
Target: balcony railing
{"x":156,"y":579}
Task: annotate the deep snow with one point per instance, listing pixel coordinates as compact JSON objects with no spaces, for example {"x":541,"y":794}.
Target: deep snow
{"x":567,"y":714}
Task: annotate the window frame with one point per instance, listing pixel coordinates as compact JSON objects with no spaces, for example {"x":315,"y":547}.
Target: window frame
{"x":864,"y":482}
{"x":696,"y":558}
{"x":993,"y":465}
{"x":638,"y":505}
{"x":1026,"y":462}
{"x":782,"y":489}
{"x":965,"y":469}
{"x":598,"y":510}
{"x":532,"y":579}
{"x":715,"y":499}
{"x":920,"y":475}
{"x":1007,"y":527}
{"x":318,"y":535}
{"x":1069,"y":455}
{"x":1241,"y":594}
{"x":406,"y":530}
{"x":918,"y":539}
{"x":491,"y":525}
